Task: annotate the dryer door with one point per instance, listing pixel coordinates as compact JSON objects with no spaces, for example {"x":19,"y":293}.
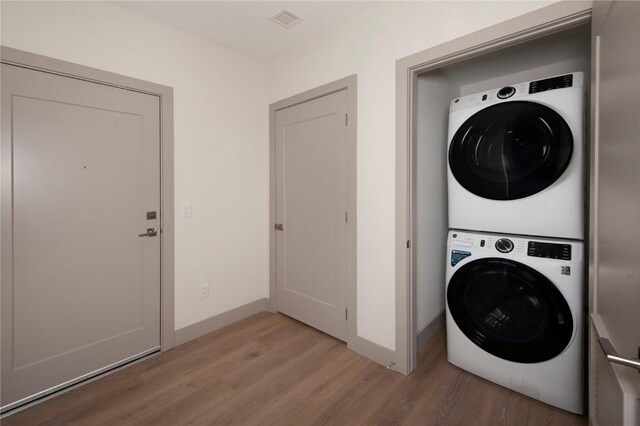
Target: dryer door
{"x":510,"y":310}
{"x":510,"y":150}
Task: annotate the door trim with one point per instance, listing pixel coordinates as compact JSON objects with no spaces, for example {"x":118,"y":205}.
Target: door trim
{"x":38,"y":397}
{"x":547,"y":20}
{"x":36,"y":62}
{"x":350,"y":85}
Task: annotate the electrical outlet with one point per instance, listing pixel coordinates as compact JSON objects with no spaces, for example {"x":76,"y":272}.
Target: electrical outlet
{"x":204,"y":290}
{"x":186,"y":209}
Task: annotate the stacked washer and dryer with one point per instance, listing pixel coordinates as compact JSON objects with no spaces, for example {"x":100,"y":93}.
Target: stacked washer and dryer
{"x":514,"y":295}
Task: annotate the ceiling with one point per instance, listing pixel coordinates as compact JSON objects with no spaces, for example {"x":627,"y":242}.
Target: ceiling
{"x":244,"y":26}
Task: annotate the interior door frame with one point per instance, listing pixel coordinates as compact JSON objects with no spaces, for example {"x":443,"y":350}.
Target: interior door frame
{"x":41,"y":63}
{"x":350,"y":85}
{"x":547,"y":20}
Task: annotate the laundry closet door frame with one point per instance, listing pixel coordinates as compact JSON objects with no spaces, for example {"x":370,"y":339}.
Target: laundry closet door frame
{"x":547,"y":20}
{"x":41,"y":63}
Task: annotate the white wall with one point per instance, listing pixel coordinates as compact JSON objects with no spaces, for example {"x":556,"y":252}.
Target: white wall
{"x":221,"y":127}
{"x":368,"y":45}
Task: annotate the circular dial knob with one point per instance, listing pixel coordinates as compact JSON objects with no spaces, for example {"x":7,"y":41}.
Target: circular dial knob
{"x":504,"y":245}
{"x":506,"y":92}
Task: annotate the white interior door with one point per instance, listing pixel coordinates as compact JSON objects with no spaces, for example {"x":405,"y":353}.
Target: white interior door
{"x":311,"y":187}
{"x":616,"y":213}
{"x":80,"y":287}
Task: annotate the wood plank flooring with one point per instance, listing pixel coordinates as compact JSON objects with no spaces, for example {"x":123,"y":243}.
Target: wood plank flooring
{"x":272,"y":370}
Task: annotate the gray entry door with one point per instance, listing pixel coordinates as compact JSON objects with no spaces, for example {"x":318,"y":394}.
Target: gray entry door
{"x":616,"y":234}
{"x":80,"y":288}
{"x":311,"y":191}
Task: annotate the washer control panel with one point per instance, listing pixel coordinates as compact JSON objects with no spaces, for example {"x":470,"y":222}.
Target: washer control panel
{"x":463,"y":246}
{"x":549,"y":250}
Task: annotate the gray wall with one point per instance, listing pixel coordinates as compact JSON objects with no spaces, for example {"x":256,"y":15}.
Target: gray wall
{"x":435,"y":92}
{"x":558,"y":53}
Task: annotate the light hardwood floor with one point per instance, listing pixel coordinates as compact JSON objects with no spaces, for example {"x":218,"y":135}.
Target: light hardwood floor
{"x":270,"y":369}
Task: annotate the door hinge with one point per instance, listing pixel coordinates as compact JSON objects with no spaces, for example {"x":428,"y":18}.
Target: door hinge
{"x":346,"y":119}
{"x":346,"y":314}
{"x":278,"y":227}
{"x":408,"y":243}
{"x":346,"y":217}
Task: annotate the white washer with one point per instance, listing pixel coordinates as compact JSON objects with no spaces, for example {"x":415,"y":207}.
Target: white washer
{"x":516,"y":159}
{"x":515,"y":313}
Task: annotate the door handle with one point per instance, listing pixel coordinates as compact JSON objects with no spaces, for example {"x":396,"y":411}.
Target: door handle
{"x":614,"y":356}
{"x":151,"y":232}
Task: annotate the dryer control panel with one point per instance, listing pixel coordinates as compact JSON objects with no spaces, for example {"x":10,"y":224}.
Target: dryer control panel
{"x":514,"y":91}
{"x":552,"y":83}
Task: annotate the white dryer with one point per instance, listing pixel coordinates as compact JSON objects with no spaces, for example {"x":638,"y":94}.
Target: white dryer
{"x":515,"y":314}
{"x":516,"y":159}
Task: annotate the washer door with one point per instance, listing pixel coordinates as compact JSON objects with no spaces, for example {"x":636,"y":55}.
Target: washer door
{"x":510,"y":310}
{"x":511,"y":150}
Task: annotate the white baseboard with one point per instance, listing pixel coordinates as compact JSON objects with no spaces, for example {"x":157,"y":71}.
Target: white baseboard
{"x":216,"y":322}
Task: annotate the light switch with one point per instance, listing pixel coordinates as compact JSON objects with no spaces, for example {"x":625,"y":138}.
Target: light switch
{"x":186,"y":209}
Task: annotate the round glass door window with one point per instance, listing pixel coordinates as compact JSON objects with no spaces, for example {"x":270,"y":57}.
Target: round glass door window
{"x":511,"y":150}
{"x":510,"y":310}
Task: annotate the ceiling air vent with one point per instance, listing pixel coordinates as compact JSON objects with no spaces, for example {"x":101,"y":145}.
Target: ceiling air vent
{"x":286,"y":18}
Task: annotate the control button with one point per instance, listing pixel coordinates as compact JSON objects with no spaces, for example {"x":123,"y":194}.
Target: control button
{"x":504,"y":245}
{"x":506,"y":92}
